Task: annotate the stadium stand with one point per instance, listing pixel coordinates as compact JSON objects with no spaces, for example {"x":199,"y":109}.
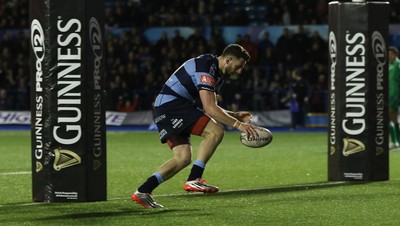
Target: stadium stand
{"x":136,"y":67}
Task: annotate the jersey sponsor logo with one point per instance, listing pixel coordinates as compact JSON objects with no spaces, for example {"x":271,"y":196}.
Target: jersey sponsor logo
{"x":207,"y":80}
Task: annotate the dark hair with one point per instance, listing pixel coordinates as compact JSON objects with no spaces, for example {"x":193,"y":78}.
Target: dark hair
{"x":394,"y":49}
{"x":236,"y":51}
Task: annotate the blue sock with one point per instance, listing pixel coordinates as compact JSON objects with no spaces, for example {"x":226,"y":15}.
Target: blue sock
{"x":197,"y":170}
{"x":200,"y":163}
{"x":160,"y":179}
{"x":151,"y":183}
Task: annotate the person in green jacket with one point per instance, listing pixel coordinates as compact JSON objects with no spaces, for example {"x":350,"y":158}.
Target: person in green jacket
{"x":394,"y":97}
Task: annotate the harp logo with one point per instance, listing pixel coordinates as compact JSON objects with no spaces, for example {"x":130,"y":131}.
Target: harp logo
{"x":64,"y":159}
{"x":379,"y":151}
{"x":96,"y":165}
{"x":332,"y":150}
{"x":352,"y":146}
{"x":39,"y":166}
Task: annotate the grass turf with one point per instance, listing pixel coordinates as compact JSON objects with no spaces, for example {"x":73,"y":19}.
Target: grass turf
{"x":282,"y":184}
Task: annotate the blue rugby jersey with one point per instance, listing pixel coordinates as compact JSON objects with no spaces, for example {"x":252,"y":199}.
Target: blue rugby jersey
{"x":200,"y":73}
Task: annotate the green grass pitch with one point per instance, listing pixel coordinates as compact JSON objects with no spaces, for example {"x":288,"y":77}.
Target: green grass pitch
{"x":284,"y":183}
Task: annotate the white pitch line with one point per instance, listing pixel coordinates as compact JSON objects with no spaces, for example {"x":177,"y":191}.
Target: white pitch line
{"x":15,"y":173}
{"x":23,"y":204}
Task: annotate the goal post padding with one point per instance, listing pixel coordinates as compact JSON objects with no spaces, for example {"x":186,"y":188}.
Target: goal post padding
{"x":358,"y":114}
{"x":68,"y":101}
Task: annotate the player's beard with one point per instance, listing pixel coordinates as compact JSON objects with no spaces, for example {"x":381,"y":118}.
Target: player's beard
{"x":230,"y":74}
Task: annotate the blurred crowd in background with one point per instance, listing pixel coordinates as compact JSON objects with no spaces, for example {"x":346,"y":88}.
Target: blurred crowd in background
{"x":136,"y":69}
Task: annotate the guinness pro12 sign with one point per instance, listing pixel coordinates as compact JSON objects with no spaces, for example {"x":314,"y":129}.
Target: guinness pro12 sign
{"x":67,"y":101}
{"x":358,"y":116}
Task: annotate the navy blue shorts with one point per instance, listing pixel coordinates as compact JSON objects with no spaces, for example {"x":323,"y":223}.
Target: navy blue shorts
{"x":177,"y":119}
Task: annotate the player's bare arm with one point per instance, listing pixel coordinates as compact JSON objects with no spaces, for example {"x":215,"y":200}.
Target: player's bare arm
{"x":243,"y":116}
{"x":208,"y":99}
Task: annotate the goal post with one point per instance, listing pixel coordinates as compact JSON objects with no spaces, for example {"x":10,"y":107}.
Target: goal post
{"x":68,"y":130}
{"x":358,"y":91}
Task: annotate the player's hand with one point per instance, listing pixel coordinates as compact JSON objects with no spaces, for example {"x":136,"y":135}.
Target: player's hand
{"x":250,"y":130}
{"x":244,"y":116}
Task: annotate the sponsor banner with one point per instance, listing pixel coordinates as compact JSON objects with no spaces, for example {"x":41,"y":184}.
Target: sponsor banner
{"x":279,"y":118}
{"x":67,"y":102}
{"x":118,"y":118}
{"x":358,"y":136}
{"x":111,"y":118}
{"x":15,"y":117}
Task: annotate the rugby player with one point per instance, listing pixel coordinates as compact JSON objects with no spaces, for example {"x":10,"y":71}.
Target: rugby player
{"x":187,"y":104}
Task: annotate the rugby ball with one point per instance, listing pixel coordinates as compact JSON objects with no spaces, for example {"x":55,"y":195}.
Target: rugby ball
{"x":263,"y":139}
